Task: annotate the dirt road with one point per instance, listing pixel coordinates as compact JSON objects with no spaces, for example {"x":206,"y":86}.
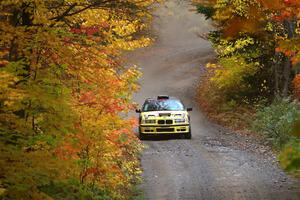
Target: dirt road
{"x":215,"y":164}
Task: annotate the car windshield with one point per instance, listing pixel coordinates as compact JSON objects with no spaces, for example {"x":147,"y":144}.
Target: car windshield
{"x":159,"y":105}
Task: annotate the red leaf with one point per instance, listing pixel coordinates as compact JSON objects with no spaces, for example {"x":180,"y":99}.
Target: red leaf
{"x":88,"y":98}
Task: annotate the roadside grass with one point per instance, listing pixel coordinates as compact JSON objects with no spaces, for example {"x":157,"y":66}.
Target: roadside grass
{"x":277,"y":123}
{"x":137,"y":193}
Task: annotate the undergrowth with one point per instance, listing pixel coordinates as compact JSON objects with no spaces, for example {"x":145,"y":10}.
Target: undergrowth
{"x":277,"y":122}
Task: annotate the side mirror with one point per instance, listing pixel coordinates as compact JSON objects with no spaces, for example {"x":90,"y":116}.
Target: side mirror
{"x":189,"y":109}
{"x":138,"y":110}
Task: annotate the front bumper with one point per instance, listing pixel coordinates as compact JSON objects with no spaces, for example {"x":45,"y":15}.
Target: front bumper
{"x":172,"y":129}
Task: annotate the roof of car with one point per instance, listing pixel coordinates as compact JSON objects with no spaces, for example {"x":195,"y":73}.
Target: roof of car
{"x":155,"y":99}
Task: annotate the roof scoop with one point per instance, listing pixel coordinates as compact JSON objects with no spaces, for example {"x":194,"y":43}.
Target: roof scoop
{"x":162,"y":97}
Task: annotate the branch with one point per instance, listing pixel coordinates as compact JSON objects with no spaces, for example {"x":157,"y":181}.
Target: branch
{"x":64,"y":14}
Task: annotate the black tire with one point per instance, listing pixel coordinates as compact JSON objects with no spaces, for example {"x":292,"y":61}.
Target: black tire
{"x":189,"y":134}
{"x":141,"y":135}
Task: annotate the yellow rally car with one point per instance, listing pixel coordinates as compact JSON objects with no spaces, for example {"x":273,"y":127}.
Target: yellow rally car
{"x":164,"y":115}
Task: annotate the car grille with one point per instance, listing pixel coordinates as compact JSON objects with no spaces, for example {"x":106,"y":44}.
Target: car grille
{"x":165,"y":130}
{"x":168,"y":121}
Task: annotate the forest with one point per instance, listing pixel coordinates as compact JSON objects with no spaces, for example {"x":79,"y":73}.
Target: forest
{"x":64,"y":97}
{"x":254,"y":83}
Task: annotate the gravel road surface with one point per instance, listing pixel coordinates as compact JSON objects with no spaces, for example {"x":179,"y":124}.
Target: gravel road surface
{"x":215,"y":163}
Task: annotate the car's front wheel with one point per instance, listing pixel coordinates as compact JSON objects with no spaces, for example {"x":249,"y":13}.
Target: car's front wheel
{"x":188,"y":135}
{"x":141,"y":135}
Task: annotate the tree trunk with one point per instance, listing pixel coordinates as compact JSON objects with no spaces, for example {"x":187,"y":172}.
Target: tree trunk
{"x":290,"y":28}
{"x":276,"y":71}
{"x":286,"y":77}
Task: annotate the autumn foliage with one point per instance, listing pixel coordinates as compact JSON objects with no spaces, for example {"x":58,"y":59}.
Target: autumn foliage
{"x":296,"y":83}
{"x":65,"y":95}
{"x":258,"y":58}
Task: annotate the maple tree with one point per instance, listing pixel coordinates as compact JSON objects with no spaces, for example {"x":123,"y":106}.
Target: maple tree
{"x":263,"y":31}
{"x":64,"y":96}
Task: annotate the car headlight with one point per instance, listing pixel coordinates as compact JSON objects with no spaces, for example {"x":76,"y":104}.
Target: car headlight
{"x":149,"y":121}
{"x":179,"y":120}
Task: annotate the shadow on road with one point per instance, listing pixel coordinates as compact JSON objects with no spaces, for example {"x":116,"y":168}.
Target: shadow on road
{"x":162,"y":137}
